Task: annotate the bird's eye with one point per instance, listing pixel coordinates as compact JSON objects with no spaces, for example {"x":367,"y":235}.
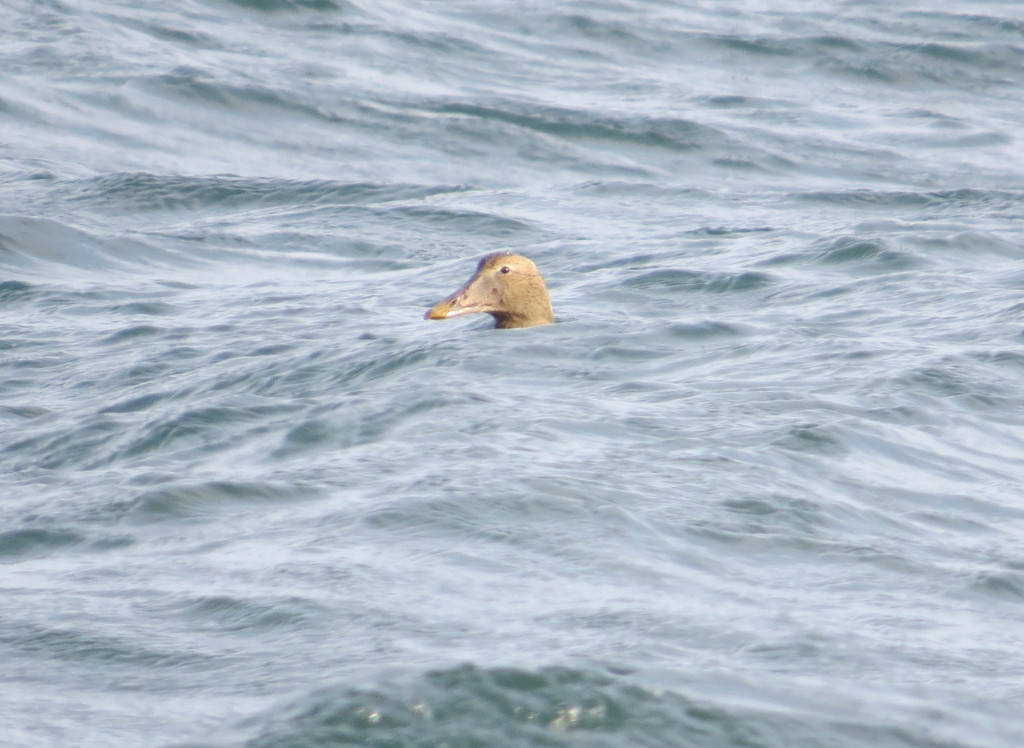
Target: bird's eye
{"x":504,"y":269}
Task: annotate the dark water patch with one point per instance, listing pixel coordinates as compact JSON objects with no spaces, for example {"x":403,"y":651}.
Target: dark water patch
{"x":873,"y":256}
{"x":875,"y":71}
{"x":64,"y":447}
{"x":735,"y":163}
{"x":80,"y":648}
{"x":16,"y":545}
{"x":439,"y":49}
{"x":146,"y":373}
{"x":947,"y":202}
{"x":462,"y":706}
{"x":953,"y":241}
{"x":966,"y":26}
{"x":730,"y":230}
{"x":735,"y":101}
{"x":674,"y":134}
{"x":27,"y":412}
{"x":774,"y":47}
{"x":605,"y":31}
{"x":672,"y":280}
{"x":981,"y":512}
{"x":813,"y":438}
{"x":198,"y":500}
{"x":30,"y":365}
{"x":703,"y":330}
{"x":177,"y":285}
{"x":471,"y":221}
{"x":983,"y":56}
{"x":973,"y":140}
{"x":933,"y":64}
{"x":111,"y":542}
{"x":178,"y":36}
{"x":39,"y":245}
{"x":364,"y":426}
{"x":899,"y":414}
{"x":277,"y":376}
{"x":628,"y":353}
{"x":247,"y":347}
{"x":1009,"y":359}
{"x":780,"y":516}
{"x":130,"y":334}
{"x":647,"y":391}
{"x":1006,"y":585}
{"x":357,"y":422}
{"x":311,"y":434}
{"x":196,"y":86}
{"x":559,"y":707}
{"x":281,"y":6}
{"x":946,"y":521}
{"x":865,"y":253}
{"x":146,"y":308}
{"x":892,"y":62}
{"x":155,"y":192}
{"x":647,"y":191}
{"x":229,"y":614}
{"x":630,"y":261}
{"x":831,"y":42}
{"x":381,"y":360}
{"x":939,"y":380}
{"x":274,"y":349}
{"x":208,"y":428}
{"x":136,"y":404}
{"x":989,"y":202}
{"x":851,"y":249}
{"x":860,"y":197}
{"x":956,"y":63}
{"x":15,"y":291}
{"x":482,"y":510}
{"x":786,"y":535}
{"x":938,"y":120}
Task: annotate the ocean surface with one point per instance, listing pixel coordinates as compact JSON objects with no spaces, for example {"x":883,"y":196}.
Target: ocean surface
{"x":762,"y":484}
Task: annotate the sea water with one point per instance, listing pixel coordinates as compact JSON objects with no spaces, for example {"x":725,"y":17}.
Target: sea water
{"x":762,"y":483}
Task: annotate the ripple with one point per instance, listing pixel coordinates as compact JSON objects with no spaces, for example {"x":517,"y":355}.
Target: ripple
{"x":689,"y":280}
{"x":14,"y":291}
{"x":280,"y":6}
{"x":1005,"y":585}
{"x":156,"y":192}
{"x":557,"y":706}
{"x":675,"y":134}
{"x":223,"y":613}
{"x":206,"y":499}
{"x":43,"y":245}
{"x":35,"y":542}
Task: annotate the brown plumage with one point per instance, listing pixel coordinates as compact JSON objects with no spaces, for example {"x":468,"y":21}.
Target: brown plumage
{"x":506,"y":286}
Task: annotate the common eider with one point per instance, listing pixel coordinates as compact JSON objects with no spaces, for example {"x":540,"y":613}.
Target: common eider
{"x":508,"y":287}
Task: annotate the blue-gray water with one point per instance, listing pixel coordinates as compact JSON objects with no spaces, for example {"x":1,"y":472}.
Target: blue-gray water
{"x":761,"y":485}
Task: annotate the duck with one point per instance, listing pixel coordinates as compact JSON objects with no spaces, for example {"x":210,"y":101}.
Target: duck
{"x":508,"y":287}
